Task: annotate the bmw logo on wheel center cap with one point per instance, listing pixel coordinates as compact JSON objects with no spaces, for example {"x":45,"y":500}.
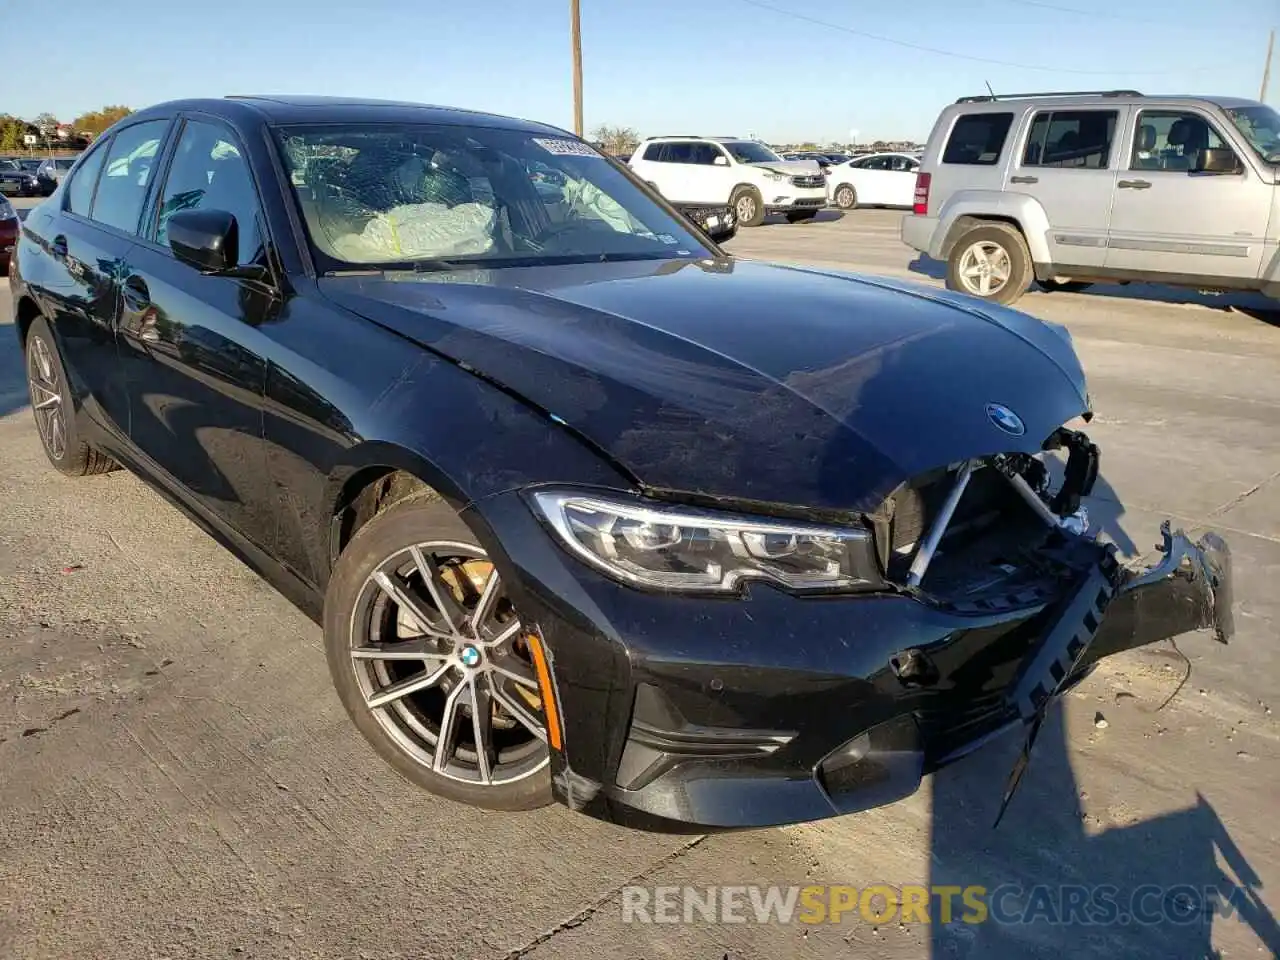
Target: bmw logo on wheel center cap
{"x":1005,"y":419}
{"x":469,"y":656}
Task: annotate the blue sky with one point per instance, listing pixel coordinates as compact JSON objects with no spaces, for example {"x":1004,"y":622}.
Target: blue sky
{"x":662,"y":66}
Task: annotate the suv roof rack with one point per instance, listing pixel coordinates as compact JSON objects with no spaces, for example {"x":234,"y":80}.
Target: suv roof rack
{"x":990,"y":97}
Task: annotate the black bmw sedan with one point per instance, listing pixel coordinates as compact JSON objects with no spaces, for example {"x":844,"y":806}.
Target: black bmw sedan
{"x":588,"y":510}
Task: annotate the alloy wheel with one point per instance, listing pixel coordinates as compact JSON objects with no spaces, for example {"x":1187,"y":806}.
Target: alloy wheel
{"x":46,"y":397}
{"x":443,"y":663}
{"x":985,"y":268}
{"x":844,"y":198}
{"x":746,"y":207}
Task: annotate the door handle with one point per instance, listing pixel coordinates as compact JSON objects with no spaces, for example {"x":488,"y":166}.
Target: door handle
{"x":1024,"y":179}
{"x":59,"y":246}
{"x":135,"y":293}
{"x":1134,"y":184}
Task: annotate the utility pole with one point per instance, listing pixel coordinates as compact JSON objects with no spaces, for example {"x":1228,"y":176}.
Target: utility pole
{"x":1266,"y":70}
{"x":576,"y":31}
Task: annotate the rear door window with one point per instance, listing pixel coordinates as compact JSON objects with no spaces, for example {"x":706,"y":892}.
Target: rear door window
{"x":122,"y":188}
{"x":1070,"y":138}
{"x":80,"y":187}
{"x":977,"y":139}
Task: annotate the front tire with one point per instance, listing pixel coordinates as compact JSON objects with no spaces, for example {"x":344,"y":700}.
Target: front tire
{"x":990,"y":262}
{"x":846,"y":197}
{"x":431,"y":661}
{"x":54,"y":409}
{"x":749,"y":206}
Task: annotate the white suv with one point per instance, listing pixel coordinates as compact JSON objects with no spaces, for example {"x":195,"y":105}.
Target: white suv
{"x":714,"y":171}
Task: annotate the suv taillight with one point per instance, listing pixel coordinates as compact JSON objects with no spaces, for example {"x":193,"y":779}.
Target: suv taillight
{"x":921,"y":205}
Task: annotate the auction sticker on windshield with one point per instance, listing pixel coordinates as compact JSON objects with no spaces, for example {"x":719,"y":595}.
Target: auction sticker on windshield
{"x":566,"y":148}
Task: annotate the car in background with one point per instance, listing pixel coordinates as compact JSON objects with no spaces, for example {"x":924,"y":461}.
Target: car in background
{"x":9,"y":228}
{"x":51,"y":171}
{"x":874,"y":180}
{"x":745,"y":174}
{"x":1068,"y":189}
{"x":16,"y":181}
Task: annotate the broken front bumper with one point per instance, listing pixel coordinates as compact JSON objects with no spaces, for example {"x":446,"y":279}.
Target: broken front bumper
{"x":686,"y":714}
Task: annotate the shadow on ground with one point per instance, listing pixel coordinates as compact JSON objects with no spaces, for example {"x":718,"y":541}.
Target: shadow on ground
{"x":1148,"y":889}
{"x":1252,"y":304}
{"x":13,"y":380}
{"x":823,"y":216}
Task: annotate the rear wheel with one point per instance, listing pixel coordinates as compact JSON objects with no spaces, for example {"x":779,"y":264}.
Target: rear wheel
{"x":749,"y":206}
{"x":846,"y":197}
{"x":800,"y":216}
{"x":991,"y":262}
{"x":52,"y":407}
{"x":432,"y":661}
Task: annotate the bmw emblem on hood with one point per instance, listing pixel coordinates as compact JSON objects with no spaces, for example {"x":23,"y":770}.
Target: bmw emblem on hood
{"x":1005,"y":419}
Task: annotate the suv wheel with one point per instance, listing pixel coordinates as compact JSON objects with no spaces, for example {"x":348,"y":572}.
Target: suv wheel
{"x":991,"y":262}
{"x":749,"y":206}
{"x":846,"y":197}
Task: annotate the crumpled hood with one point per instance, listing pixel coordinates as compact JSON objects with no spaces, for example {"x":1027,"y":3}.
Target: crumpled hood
{"x":791,"y":168}
{"x":743,"y":380}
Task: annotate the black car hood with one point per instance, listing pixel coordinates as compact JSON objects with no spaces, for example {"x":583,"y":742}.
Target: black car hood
{"x":743,"y":380}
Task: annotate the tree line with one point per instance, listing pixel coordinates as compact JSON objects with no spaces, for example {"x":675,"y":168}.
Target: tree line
{"x":45,"y":128}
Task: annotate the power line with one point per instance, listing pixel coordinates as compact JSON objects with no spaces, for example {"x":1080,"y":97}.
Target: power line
{"x":1147,"y":21}
{"x":827,"y":25}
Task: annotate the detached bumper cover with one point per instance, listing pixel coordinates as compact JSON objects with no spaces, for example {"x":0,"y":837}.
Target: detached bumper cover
{"x":688,"y":715}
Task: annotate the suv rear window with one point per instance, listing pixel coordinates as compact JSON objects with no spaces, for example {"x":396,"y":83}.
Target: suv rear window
{"x":977,"y":138}
{"x":1070,"y":138}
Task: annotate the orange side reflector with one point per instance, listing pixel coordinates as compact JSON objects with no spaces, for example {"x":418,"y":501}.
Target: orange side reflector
{"x":548,"y":692}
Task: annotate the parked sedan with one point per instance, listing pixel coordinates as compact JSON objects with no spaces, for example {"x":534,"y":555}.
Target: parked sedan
{"x":16,"y":181}
{"x":51,"y":171}
{"x":9,"y":227}
{"x":875,"y":180}
{"x":587,"y":510}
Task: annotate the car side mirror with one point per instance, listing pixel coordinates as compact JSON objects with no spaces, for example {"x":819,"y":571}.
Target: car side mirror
{"x":1216,"y":160}
{"x":721,"y":161}
{"x":208,"y":240}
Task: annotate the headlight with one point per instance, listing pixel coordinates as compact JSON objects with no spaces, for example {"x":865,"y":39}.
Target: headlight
{"x":686,"y":549}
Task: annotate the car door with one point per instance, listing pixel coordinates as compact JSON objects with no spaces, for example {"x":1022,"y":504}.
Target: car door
{"x":685,"y":173}
{"x":88,"y":240}
{"x":1067,"y":165}
{"x":190,"y":344}
{"x":1167,"y":219}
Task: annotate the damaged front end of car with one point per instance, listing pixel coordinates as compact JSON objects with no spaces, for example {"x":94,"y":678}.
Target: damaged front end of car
{"x":995,"y":533}
{"x":773,"y":708}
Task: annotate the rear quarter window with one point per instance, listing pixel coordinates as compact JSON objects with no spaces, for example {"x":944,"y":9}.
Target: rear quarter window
{"x":977,"y":139}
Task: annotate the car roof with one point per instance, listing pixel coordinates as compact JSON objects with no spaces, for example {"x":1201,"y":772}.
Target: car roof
{"x":1096,"y":99}
{"x":293,"y":108}
{"x":698,"y":136}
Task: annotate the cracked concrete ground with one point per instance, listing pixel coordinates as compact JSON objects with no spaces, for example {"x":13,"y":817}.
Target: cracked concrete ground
{"x":177,"y":779}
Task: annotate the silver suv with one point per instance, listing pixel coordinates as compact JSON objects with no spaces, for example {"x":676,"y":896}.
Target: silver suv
{"x":1071,"y":188}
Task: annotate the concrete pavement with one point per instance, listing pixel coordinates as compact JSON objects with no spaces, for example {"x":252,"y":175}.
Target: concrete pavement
{"x":178,"y":780}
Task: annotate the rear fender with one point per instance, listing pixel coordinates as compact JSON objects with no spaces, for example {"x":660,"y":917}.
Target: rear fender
{"x":967,"y":209}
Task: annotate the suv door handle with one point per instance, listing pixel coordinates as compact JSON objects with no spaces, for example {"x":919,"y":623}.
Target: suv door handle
{"x":1134,"y":184}
{"x":1024,"y":179}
